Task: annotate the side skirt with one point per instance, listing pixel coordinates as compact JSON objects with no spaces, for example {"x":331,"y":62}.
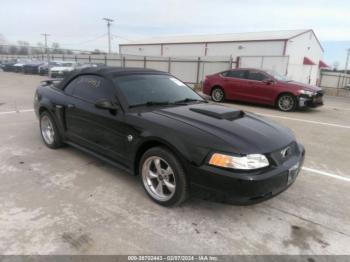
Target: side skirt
{"x":104,"y":159}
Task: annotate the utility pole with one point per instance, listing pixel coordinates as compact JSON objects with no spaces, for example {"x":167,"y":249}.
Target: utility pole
{"x":109,"y":21}
{"x":347,"y":61}
{"x":47,"y":53}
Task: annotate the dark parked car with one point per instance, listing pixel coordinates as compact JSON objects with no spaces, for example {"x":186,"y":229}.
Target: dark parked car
{"x":153,"y":125}
{"x":263,"y":87}
{"x":8,"y":66}
{"x":32,"y":67}
{"x":18,"y":67}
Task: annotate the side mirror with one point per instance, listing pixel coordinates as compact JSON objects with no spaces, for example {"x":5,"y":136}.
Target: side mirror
{"x":106,"y":104}
{"x":268,"y":81}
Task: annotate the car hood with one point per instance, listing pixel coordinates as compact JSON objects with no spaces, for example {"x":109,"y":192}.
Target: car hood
{"x":62,"y":68}
{"x":307,"y":87}
{"x":246,"y":133}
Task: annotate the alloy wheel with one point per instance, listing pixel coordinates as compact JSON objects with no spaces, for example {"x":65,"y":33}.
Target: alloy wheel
{"x":158,"y":178}
{"x":286,"y":103}
{"x":217,"y":95}
{"x":47,"y":130}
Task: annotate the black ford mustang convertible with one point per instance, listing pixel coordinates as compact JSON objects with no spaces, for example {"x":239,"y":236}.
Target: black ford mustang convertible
{"x":153,"y":125}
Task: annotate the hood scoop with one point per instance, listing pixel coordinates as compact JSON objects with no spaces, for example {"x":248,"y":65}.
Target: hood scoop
{"x":220,"y":112}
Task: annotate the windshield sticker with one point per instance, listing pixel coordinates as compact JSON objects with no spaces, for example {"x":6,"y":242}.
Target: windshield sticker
{"x":178,"y":82}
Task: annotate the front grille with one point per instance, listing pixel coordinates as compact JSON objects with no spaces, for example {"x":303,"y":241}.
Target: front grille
{"x":277,"y":156}
{"x":319,"y":93}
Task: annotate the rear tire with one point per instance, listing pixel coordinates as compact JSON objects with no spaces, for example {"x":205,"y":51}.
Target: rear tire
{"x":217,"y":94}
{"x":49,"y":131}
{"x":286,"y":102}
{"x":163,"y":177}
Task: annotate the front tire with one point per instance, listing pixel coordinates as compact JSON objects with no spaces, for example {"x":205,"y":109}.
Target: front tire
{"x":49,"y":131}
{"x":163,"y":177}
{"x":217,"y":94}
{"x":286,"y":102}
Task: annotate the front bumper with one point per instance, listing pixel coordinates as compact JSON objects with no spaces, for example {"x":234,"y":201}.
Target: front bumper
{"x":313,"y":101}
{"x":248,"y":187}
{"x":55,"y":74}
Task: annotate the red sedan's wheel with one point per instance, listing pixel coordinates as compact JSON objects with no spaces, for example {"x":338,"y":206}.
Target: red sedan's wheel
{"x":218,"y":95}
{"x":287,"y":103}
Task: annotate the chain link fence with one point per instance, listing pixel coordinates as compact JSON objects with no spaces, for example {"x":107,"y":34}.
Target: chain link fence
{"x":335,"y":83}
{"x":191,"y":70}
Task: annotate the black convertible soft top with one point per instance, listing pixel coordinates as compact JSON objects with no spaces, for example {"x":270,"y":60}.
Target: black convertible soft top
{"x":106,"y":72}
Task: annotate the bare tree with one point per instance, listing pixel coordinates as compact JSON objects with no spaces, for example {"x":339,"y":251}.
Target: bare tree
{"x":55,"y":48}
{"x":68,"y":51}
{"x":2,"y":40}
{"x":40,"y":48}
{"x":96,"y":52}
{"x":13,"y":50}
{"x":3,"y":47}
{"x":23,"y":48}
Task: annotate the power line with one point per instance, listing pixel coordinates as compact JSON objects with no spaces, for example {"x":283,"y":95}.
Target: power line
{"x":122,"y":37}
{"x":83,"y":42}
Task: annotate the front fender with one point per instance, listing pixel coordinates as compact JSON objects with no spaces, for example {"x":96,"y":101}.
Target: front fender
{"x":187,"y":153}
{"x":56,"y":111}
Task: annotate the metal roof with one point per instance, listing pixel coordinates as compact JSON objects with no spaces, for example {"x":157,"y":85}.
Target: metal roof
{"x":237,"y":37}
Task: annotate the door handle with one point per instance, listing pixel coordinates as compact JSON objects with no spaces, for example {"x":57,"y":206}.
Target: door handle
{"x":71,"y":106}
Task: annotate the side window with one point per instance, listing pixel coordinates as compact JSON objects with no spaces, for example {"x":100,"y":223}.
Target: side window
{"x":237,"y":74}
{"x":258,"y":76}
{"x":224,"y":73}
{"x":69,"y":89}
{"x":92,"y":88}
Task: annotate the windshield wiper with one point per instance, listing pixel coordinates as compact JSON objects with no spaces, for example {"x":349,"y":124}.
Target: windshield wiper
{"x":186,"y":100}
{"x":151,"y":103}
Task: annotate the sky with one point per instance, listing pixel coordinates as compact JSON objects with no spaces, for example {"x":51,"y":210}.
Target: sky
{"x":78,"y":24}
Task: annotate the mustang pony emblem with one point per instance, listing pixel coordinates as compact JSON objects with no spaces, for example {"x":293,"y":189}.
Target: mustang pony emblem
{"x":285,"y":152}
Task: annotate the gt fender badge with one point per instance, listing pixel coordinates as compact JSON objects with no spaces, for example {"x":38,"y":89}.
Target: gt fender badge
{"x":130,"y":138}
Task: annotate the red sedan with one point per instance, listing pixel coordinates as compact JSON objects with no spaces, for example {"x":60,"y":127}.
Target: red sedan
{"x":263,"y":87}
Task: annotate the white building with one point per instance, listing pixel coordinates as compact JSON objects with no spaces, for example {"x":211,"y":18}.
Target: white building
{"x":296,"y":53}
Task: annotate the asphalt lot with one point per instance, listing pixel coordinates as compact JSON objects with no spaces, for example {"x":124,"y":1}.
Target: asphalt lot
{"x":66,"y":202}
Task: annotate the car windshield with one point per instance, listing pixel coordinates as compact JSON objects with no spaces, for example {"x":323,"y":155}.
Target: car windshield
{"x":277,"y":75}
{"x":155,"y":90}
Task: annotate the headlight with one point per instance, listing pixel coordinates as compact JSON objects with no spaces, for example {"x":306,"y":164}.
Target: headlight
{"x":248,"y":162}
{"x":308,"y":93}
